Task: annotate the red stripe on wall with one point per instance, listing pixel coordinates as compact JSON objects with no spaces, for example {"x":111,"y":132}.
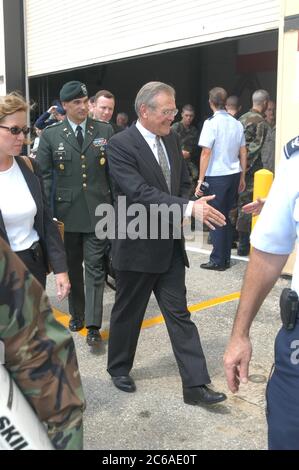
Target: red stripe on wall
{"x":259,"y":62}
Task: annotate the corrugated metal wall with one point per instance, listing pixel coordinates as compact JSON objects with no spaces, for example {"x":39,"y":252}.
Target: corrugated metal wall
{"x":2,"y":53}
{"x":64,"y":34}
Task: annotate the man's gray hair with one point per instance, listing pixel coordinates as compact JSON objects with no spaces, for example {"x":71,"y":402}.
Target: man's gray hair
{"x":147,"y":94}
{"x":259,"y":96}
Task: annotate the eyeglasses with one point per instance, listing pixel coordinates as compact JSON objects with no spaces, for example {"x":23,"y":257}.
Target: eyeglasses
{"x":165,"y":112}
{"x":170,"y":112}
{"x":15,"y":130}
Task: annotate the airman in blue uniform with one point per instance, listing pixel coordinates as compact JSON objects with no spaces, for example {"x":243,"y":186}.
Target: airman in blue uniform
{"x":273,"y":239}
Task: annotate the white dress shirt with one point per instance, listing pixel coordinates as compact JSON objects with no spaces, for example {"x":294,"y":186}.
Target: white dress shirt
{"x":150,"y":138}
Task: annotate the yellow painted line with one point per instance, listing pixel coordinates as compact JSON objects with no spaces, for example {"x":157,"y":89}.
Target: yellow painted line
{"x":64,"y":318}
{"x":213,"y":302}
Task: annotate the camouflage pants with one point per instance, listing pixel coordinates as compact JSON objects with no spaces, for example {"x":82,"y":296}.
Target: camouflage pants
{"x":244,"y":220}
{"x":193,"y":174}
{"x":40,"y":353}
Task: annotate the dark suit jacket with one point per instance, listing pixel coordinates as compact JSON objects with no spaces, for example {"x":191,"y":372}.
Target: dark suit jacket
{"x":137,"y":175}
{"x":50,"y":238}
{"x":75,"y":179}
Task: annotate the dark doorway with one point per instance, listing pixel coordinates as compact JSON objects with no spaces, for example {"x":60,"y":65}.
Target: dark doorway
{"x":240,"y":65}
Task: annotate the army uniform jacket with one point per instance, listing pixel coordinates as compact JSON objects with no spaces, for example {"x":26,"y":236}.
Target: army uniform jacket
{"x":188,"y":137}
{"x":40,"y":355}
{"x":255,"y":129}
{"x":75,"y":179}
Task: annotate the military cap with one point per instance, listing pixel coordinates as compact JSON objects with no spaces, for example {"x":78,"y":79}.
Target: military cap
{"x":59,"y":108}
{"x":73,"y":90}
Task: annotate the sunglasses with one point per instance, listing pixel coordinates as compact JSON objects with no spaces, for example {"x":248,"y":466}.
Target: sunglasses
{"x":15,"y":130}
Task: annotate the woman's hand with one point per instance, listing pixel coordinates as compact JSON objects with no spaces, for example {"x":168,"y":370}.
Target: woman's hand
{"x":63,"y":285}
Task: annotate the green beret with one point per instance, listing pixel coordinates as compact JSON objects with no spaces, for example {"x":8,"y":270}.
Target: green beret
{"x":72,"y":91}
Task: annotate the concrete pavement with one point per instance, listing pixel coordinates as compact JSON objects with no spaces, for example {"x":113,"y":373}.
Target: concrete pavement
{"x":155,"y":417}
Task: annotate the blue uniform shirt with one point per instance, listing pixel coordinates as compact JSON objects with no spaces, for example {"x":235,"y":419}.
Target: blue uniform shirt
{"x":224,"y":135}
{"x":278,"y":225}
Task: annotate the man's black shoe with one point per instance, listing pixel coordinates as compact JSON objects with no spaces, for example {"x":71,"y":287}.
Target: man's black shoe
{"x":202,"y":395}
{"x":93,"y":337}
{"x":76,"y":324}
{"x":212,"y":266}
{"x":124,"y":383}
{"x":227,"y":264}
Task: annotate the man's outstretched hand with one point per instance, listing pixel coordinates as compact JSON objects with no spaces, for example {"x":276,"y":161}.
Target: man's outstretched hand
{"x":207,"y":214}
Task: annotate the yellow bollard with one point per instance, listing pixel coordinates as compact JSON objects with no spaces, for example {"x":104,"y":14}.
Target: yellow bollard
{"x":263,"y":180}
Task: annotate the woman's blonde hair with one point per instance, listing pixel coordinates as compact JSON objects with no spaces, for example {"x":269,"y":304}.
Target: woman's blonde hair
{"x":11,"y":103}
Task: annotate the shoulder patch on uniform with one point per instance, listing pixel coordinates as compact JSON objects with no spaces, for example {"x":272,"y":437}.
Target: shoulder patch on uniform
{"x":291,"y":147}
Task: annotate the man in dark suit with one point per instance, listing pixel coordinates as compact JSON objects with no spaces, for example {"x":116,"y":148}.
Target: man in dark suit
{"x":151,"y":171}
{"x":72,"y":157}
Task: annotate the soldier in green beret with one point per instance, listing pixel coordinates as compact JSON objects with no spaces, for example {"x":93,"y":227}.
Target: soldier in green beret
{"x":72,"y":157}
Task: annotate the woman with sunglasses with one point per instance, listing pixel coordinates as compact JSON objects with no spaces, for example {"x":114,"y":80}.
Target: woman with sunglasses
{"x":26,"y":222}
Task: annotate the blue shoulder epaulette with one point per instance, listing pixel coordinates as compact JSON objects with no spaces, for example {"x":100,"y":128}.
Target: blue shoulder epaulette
{"x":291,"y":147}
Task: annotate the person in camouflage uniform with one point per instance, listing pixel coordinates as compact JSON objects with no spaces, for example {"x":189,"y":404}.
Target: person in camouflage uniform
{"x":268,"y":150}
{"x":189,"y":138}
{"x":255,"y":129}
{"x":40,"y":353}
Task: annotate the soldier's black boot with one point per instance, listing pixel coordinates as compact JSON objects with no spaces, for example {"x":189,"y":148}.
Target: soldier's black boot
{"x":244,"y":244}
{"x":93,"y":336}
{"x":76,"y":324}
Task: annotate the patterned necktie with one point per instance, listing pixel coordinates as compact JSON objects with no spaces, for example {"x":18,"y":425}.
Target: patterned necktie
{"x":79,"y":136}
{"x":163,"y":163}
